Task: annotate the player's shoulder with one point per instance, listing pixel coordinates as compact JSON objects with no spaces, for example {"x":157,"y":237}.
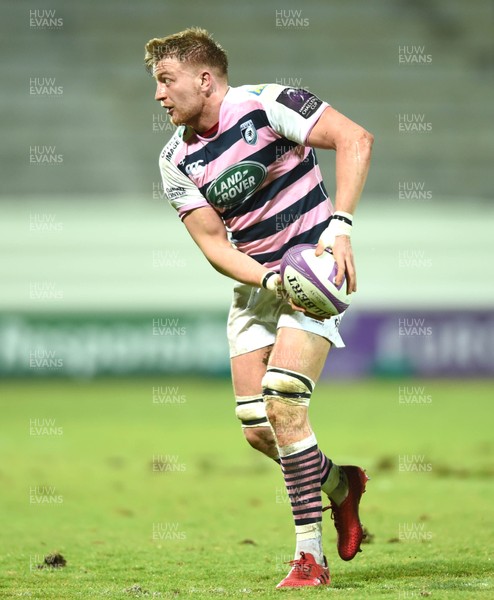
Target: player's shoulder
{"x":261,"y":92}
{"x":275,"y":98}
{"x":175,"y":144}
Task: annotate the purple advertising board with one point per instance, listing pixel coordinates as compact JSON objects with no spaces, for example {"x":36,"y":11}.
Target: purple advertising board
{"x":415,"y":343}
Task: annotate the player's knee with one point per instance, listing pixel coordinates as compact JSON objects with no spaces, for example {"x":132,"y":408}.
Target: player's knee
{"x":286,"y":387}
{"x":286,"y":393}
{"x":251,"y":412}
{"x":255,"y":425}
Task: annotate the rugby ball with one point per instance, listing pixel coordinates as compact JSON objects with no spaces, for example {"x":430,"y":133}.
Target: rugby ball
{"x":309,"y":281}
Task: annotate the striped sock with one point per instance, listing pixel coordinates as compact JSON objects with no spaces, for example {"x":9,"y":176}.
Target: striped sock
{"x":333,"y":480}
{"x":332,"y":477}
{"x":301,"y":466}
{"x":326,"y":468}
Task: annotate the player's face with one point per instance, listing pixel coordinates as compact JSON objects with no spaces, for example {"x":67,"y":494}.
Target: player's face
{"x":178,"y":89}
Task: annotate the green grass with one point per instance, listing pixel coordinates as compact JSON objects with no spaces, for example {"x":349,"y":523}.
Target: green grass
{"x":233,"y":528}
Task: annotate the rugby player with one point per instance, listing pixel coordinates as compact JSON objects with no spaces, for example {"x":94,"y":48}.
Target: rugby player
{"x":242,"y":173}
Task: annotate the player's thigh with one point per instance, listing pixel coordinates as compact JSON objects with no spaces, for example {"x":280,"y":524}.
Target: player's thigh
{"x":301,"y":351}
{"x":248,"y":370}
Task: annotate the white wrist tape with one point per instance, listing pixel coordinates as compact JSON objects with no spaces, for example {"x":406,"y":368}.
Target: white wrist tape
{"x":340,"y":224}
{"x":271,"y":281}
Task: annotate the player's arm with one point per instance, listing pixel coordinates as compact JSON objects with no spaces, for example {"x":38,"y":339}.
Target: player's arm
{"x":209,"y":233}
{"x":353,"y":146}
{"x":207,"y":228}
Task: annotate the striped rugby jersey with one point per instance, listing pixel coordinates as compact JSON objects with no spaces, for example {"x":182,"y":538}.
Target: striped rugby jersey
{"x":255,"y":171}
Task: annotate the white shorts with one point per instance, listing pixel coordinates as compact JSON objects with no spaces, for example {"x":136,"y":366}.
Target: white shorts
{"x":256,"y":314}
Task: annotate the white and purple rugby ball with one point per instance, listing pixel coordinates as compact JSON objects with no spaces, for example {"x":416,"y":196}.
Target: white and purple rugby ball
{"x":309,"y":281}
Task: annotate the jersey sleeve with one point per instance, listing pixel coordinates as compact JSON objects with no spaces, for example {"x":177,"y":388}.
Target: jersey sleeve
{"x":179,"y":190}
{"x":291,"y":112}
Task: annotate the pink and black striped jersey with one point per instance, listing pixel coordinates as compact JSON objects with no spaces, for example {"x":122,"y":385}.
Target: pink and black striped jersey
{"x":255,"y":171}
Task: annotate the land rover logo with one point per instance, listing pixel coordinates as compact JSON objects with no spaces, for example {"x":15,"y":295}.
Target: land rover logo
{"x":236,"y":184}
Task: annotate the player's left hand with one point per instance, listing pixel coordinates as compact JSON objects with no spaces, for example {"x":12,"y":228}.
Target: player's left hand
{"x":343,"y":255}
{"x":336,"y":236}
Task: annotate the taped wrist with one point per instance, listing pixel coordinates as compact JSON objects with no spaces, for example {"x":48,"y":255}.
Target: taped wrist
{"x":271,"y":281}
{"x":287,"y":386}
{"x":341,"y":223}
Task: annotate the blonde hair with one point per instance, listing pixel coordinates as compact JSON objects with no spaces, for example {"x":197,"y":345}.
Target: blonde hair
{"x":193,"y":45}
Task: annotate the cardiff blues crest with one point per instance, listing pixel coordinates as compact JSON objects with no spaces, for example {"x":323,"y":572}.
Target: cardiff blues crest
{"x":249,"y":132}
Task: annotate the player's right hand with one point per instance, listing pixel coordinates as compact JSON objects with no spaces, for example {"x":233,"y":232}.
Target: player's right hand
{"x":272,"y":282}
{"x":304,"y":310}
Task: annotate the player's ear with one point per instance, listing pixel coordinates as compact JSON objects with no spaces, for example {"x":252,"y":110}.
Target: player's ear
{"x":206,"y":80}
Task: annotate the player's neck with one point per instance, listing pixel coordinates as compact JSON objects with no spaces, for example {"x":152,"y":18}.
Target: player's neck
{"x":210,"y":114}
{"x":211,"y":132}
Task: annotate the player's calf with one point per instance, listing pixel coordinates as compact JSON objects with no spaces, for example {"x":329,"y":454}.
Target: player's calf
{"x":262,"y":439}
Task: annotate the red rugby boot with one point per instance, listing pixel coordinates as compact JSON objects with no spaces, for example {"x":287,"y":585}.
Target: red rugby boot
{"x":306,"y":572}
{"x":346,"y":517}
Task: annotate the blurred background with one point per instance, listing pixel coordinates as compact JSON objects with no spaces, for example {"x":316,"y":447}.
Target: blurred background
{"x":100,"y":277}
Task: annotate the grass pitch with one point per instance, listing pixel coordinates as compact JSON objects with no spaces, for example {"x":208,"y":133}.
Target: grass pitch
{"x":147,"y":489}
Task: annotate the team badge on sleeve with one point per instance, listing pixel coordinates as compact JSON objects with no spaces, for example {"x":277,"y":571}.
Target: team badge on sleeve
{"x":301,"y":101}
{"x":249,"y":132}
{"x":257,"y":89}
